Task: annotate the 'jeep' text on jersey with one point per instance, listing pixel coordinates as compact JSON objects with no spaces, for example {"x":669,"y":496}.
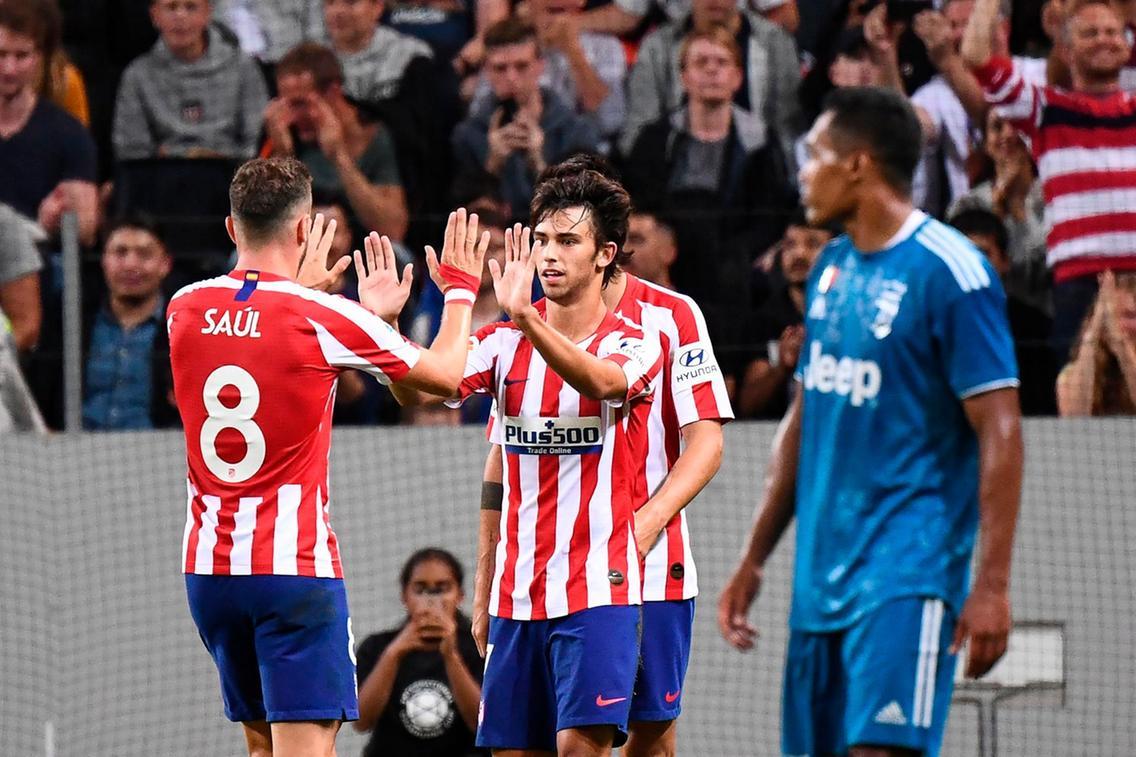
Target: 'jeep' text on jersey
{"x":887,"y":483}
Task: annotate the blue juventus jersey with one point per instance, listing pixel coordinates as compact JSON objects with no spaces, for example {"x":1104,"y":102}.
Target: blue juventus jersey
{"x":887,"y":483}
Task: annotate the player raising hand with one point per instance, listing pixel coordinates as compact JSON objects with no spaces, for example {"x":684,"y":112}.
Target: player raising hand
{"x":255,"y":358}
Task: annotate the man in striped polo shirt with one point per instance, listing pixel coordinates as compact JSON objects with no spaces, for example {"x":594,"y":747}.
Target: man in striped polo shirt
{"x":1084,"y":142}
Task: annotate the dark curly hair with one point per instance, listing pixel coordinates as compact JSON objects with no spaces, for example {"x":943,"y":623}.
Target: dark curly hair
{"x":587,"y":181}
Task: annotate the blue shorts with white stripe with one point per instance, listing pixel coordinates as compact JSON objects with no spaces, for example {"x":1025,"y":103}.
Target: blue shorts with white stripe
{"x":884,"y":681}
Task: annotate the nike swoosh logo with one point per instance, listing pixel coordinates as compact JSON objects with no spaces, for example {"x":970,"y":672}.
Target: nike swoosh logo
{"x":671,"y":697}
{"x":601,"y":702}
{"x":510,"y":382}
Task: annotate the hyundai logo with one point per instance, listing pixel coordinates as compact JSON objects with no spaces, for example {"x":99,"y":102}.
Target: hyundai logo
{"x":693,"y":357}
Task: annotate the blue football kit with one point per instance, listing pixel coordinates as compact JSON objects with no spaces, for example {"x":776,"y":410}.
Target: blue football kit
{"x":887,"y":484}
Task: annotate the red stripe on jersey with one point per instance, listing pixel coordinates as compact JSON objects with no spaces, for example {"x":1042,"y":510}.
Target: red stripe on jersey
{"x":263,"y":538}
{"x":198,"y":507}
{"x":1089,"y":181}
{"x":674,"y":555}
{"x":306,"y":536}
{"x":1089,"y":225}
{"x":518,"y":373}
{"x":226,"y":522}
{"x":705,"y":401}
{"x":581,"y":543}
{"x":621,"y":513}
{"x":1068,"y":136}
{"x":547,"y":498}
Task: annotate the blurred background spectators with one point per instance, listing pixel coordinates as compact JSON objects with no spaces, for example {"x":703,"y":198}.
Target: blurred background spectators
{"x":142,"y":109}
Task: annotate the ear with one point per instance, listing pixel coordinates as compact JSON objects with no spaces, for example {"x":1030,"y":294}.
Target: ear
{"x":302,"y":225}
{"x":231,"y":227}
{"x":606,"y":254}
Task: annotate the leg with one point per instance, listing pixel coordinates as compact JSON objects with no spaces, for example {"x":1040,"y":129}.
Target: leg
{"x":310,"y":739}
{"x":258,"y":738}
{"x":647,"y":739}
{"x":518,"y":705}
{"x":587,"y":741}
{"x":812,"y":699}
{"x":899,"y":678}
{"x":663,"y":657}
{"x":594,"y":655}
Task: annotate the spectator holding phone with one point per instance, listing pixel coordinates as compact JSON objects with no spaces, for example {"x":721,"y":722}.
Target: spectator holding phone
{"x":523,"y":127}
{"x":420,"y":683}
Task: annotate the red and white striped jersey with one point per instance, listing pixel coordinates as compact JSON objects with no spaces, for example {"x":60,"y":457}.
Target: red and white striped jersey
{"x":1085,"y":148}
{"x":572,"y":472}
{"x":255,"y":360}
{"x":689,"y":388}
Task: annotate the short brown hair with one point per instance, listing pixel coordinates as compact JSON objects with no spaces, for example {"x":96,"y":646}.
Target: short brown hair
{"x":509,"y":31}
{"x":315,"y":59}
{"x":38,"y":19}
{"x":576,"y":183}
{"x":264,"y":191}
{"x":716,"y":34}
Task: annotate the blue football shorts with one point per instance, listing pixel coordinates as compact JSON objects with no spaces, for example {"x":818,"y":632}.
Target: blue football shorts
{"x":884,"y":681}
{"x":664,"y":655}
{"x":282,"y":645}
{"x":545,"y":676}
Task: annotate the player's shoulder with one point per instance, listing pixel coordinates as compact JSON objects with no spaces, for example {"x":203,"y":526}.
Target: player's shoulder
{"x":950,"y":259}
{"x":205,"y":286}
{"x":681,"y":307}
{"x":497,"y":334}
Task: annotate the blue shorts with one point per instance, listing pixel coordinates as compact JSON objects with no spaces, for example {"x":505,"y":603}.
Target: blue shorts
{"x":544,"y":676}
{"x":663,"y":657}
{"x":884,"y":681}
{"x":282,"y":644}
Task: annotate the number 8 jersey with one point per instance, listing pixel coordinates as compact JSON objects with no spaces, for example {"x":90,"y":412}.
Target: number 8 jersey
{"x":255,"y":359}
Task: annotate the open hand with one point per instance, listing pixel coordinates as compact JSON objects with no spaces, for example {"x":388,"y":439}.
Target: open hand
{"x":513,"y":285}
{"x":380,"y":290}
{"x":313,"y":272}
{"x":463,"y":252}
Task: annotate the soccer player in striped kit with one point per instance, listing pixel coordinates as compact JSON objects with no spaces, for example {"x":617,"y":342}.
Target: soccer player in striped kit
{"x":683,"y":453}
{"x":255,"y":357}
{"x":904,"y":434}
{"x":573,"y":389}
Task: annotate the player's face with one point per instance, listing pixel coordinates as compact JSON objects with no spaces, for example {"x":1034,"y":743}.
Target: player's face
{"x":299,"y":91}
{"x":569,"y":265}
{"x":799,"y":250}
{"x":181,"y":23}
{"x":652,"y":247}
{"x":432,"y":586}
{"x":19,"y":63}
{"x":826,"y":176}
{"x":1098,"y":47}
{"x":710,"y":73}
{"x":351,"y":23}
{"x":513,"y":71}
{"x":134,"y":264}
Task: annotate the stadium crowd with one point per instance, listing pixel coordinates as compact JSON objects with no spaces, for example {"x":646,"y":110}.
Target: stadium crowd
{"x":132,"y":116}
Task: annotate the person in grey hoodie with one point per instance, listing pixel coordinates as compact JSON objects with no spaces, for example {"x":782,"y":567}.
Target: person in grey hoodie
{"x":770,"y":71}
{"x":195,"y":94}
{"x":522,"y":128}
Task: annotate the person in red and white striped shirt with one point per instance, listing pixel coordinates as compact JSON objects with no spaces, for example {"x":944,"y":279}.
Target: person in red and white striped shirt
{"x":573,"y":384}
{"x":255,"y":358}
{"x":1084,"y":142}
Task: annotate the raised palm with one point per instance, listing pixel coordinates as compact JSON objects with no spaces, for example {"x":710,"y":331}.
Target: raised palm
{"x":513,"y":285}
{"x":380,"y":289}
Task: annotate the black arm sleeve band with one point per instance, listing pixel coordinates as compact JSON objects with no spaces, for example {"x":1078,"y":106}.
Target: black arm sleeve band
{"x":492,"y":493}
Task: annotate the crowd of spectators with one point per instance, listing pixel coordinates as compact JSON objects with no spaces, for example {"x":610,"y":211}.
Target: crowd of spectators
{"x":130,"y":116}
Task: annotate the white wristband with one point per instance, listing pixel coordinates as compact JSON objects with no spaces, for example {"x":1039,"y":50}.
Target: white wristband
{"x":456,"y":294}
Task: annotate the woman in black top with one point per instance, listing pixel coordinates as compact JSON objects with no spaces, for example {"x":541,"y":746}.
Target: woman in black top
{"x":420,"y":683}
